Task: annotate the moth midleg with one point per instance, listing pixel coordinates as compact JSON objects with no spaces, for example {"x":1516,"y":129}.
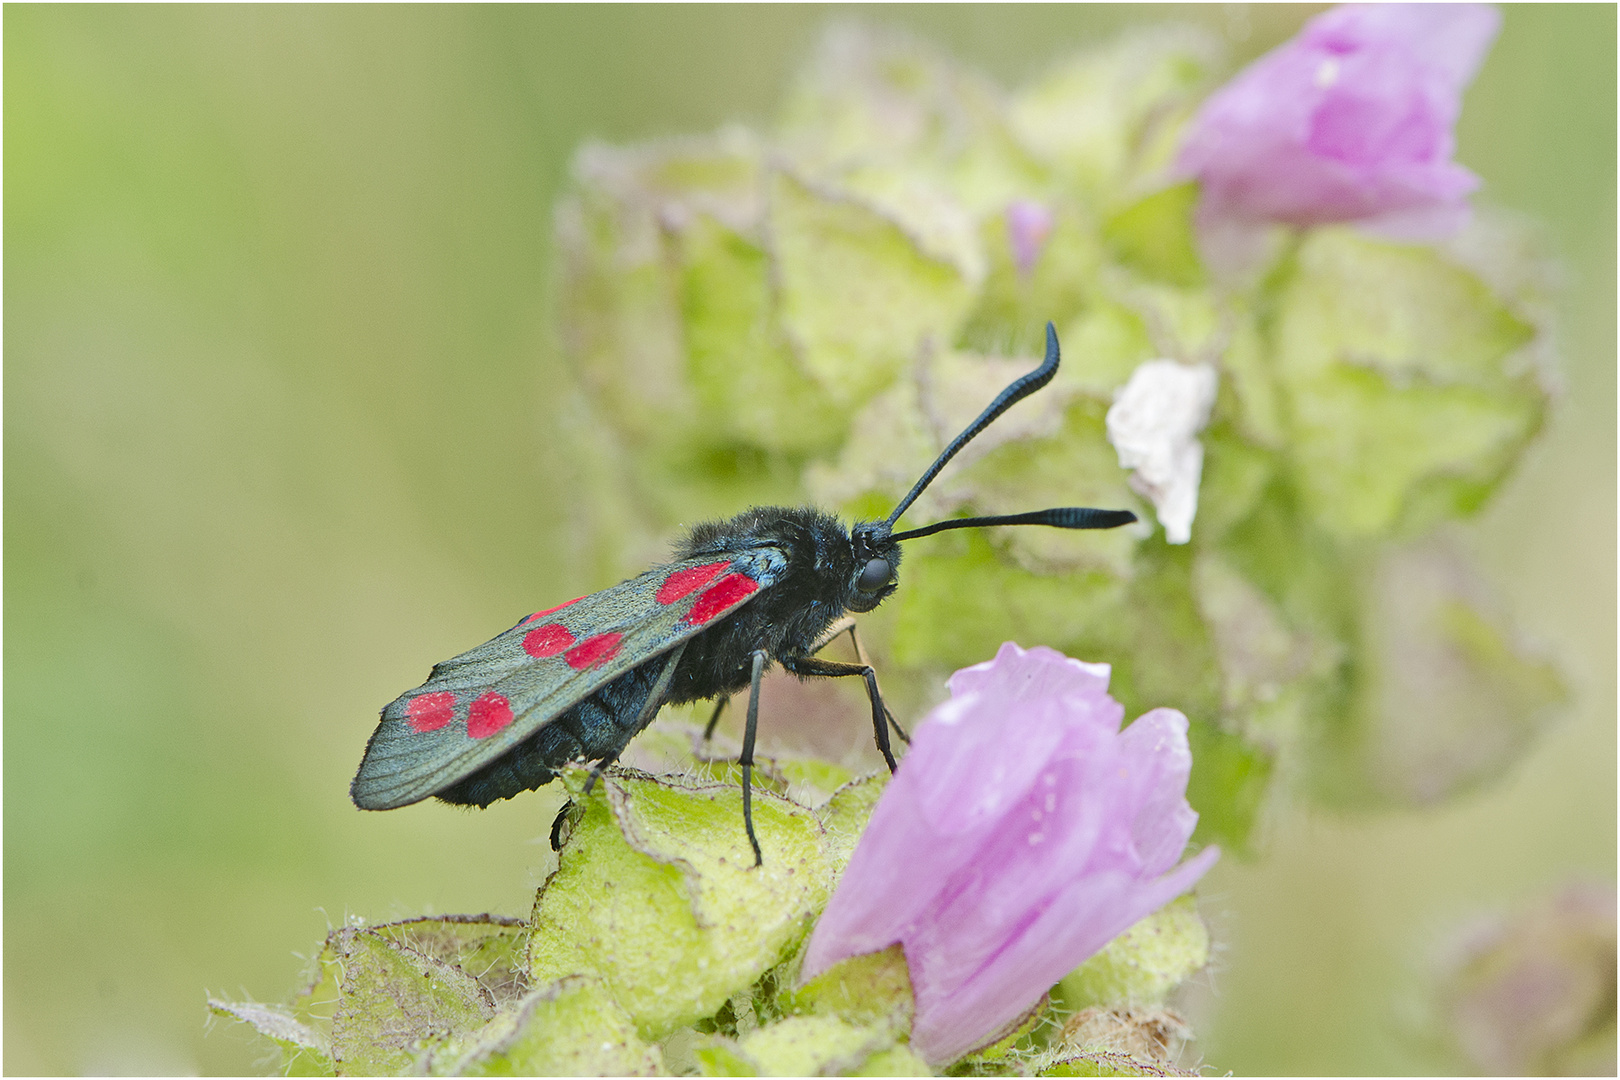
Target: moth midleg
{"x":828,"y":636}
{"x":747,"y":759}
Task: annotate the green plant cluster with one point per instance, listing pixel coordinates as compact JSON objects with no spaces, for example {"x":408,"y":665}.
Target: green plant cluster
{"x":809,"y":313}
{"x":657,"y":947}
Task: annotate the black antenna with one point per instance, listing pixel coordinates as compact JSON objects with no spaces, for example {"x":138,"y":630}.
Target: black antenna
{"x":1063,"y":517}
{"x":1018,"y":390}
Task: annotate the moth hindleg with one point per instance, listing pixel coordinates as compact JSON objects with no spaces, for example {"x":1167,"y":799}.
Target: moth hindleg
{"x":649,"y":709}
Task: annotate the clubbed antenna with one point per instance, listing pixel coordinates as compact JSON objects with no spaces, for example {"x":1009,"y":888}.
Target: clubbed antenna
{"x":1019,"y":389}
{"x":1062,"y":517}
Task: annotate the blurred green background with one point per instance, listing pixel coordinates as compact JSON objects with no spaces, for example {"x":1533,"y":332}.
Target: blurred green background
{"x":280,"y":401}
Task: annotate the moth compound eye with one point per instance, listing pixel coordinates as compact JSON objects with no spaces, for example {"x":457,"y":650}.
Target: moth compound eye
{"x":874,"y":576}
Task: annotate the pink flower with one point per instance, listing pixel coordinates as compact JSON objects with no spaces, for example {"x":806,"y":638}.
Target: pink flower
{"x":1028,"y":226}
{"x":1022,"y":833}
{"x":1350,"y":121}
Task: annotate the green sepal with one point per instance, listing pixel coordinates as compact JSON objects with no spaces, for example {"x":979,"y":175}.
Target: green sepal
{"x":749,"y":385}
{"x":1235,"y":477}
{"x":1405,"y":400}
{"x":858,"y":295}
{"x":1065,"y":462}
{"x":305,"y":1050}
{"x":1102,"y":346}
{"x":1015,"y":303}
{"x":491,"y":947}
{"x":395,"y":997}
{"x":398,"y":1007}
{"x":845,"y":814}
{"x":852,"y":1019}
{"x":656,"y":894}
{"x":895,"y":1061}
{"x":1110,"y":116}
{"x":869,"y":990}
{"x":571,"y":1027}
{"x":718,"y":1055}
{"x":1140,"y":967}
{"x":908,"y":128}
{"x":815,"y":1045}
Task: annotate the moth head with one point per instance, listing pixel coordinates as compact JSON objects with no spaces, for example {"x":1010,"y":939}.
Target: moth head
{"x":876,"y":565}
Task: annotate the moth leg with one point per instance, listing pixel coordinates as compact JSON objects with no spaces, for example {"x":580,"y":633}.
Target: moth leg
{"x":832,"y":669}
{"x":860,"y":654}
{"x":747,"y":759}
{"x":557,"y":837}
{"x":830,"y":635}
{"x":719,"y":707}
{"x":649,"y":709}
{"x":596,"y":771}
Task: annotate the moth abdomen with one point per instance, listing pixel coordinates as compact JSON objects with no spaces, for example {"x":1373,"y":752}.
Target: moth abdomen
{"x":595,"y":728}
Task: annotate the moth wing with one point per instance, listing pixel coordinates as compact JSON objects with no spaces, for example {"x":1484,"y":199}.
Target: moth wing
{"x":479,"y":705}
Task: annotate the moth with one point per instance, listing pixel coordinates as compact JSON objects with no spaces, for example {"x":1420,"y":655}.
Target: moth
{"x":576,"y":682}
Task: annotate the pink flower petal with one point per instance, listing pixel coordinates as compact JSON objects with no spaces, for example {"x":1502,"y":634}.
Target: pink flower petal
{"x":1351,"y":120}
{"x":1021,"y":834}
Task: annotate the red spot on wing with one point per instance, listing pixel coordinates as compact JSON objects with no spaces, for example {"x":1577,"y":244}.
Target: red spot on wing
{"x":488,"y":714}
{"x":430,"y":712}
{"x":593,"y":651}
{"x":685,"y":582}
{"x":548,"y":640}
{"x":719,"y":596}
{"x":549,"y":610}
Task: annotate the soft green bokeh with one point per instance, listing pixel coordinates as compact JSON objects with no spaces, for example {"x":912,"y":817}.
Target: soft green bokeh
{"x":284,"y":426}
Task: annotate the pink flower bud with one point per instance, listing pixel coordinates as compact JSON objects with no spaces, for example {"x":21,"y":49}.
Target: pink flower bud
{"x":1028,"y":226}
{"x":1350,"y":121}
{"x":1022,"y":833}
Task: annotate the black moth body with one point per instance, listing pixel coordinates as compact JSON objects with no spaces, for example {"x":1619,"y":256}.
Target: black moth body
{"x":808,"y":570}
{"x":578,"y":682}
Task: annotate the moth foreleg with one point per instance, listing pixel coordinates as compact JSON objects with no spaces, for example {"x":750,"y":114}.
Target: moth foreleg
{"x":832,"y":669}
{"x":847,"y":623}
{"x":747,"y":759}
{"x":860,"y":655}
{"x":830,"y":635}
